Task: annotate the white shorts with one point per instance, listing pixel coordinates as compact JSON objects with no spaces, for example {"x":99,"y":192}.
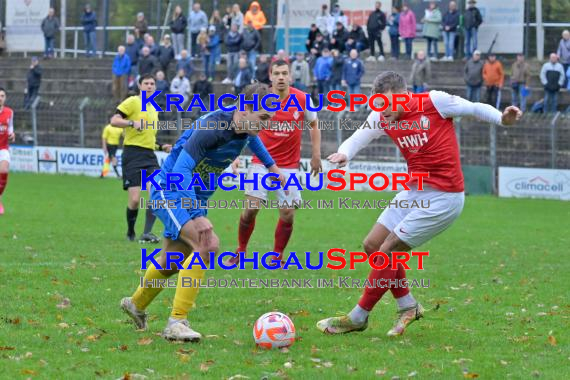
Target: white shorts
{"x":5,"y":155}
{"x":261,"y":192}
{"x":415,"y":226}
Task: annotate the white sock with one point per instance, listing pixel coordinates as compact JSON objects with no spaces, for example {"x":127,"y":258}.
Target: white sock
{"x":406,"y":302}
{"x":358,"y":315}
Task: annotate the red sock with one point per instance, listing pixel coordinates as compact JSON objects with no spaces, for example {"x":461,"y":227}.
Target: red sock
{"x":399,"y":291}
{"x":373,"y":294}
{"x":282,"y":234}
{"x":3,"y":182}
{"x":244,"y":233}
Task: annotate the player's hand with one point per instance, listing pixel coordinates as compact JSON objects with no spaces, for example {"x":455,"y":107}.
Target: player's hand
{"x":316,"y":166}
{"x":166,"y":148}
{"x":137,"y":125}
{"x":511,"y":115}
{"x":338,"y":158}
{"x":281,"y":178}
{"x":12,"y":137}
{"x":235,"y":166}
{"x":343,"y":83}
{"x":204,"y":228}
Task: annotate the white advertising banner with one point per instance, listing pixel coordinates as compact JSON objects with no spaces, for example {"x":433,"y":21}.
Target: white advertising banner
{"x":504,"y":19}
{"x":89,"y":162}
{"x":303,"y":13}
{"x":534,"y":183}
{"x":23,"y":24}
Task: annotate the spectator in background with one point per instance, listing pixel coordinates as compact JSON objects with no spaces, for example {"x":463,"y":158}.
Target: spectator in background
{"x":216,"y":20}
{"x":281,"y":56}
{"x":520,"y":81}
{"x":494,"y":77}
{"x":375,"y":27}
{"x":215,"y":49}
{"x":196,"y":22}
{"x":450,"y":23}
{"x":431,"y":32}
{"x":181,"y":85}
{"x":50,"y":27}
{"x":300,"y":73}
{"x":237,"y":18}
{"x":337,"y":70}
{"x":257,"y":18}
{"x":227,"y":20}
{"x":324,"y":21}
{"x":34,"y":81}
{"x":121,"y":71}
{"x":393,"y":31}
{"x":133,"y":50}
{"x":139,"y":38}
{"x":407,"y":28}
{"x":311,"y":37}
{"x":564,"y":51}
{"x":148,"y":63}
{"x":339,"y":37}
{"x":356,"y":39}
{"x":352,"y":73}
{"x":262,"y":71}
{"x":243,"y":76}
{"x":233,"y":44}
{"x":322,"y":73}
{"x":472,"y":19}
{"x":203,"y":41}
{"x":203,"y":87}
{"x":149,"y":42}
{"x":165,"y":53}
{"x":250,"y":43}
{"x":163,"y":86}
{"x":185,"y":63}
{"x":141,"y":25}
{"x":178,"y":25}
{"x":89,"y":22}
{"x":337,"y":15}
{"x":552,"y":78}
{"x":319,"y":45}
{"x":473,"y":75}
{"x":421,"y":73}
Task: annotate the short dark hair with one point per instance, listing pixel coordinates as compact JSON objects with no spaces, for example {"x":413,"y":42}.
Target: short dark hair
{"x":4,"y":91}
{"x":389,"y":81}
{"x":261,"y":89}
{"x":278,"y":62}
{"x":146,"y":76}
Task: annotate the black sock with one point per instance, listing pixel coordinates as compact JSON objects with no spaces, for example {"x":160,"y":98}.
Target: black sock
{"x":131,"y":220}
{"x":149,"y":221}
{"x":116,"y":170}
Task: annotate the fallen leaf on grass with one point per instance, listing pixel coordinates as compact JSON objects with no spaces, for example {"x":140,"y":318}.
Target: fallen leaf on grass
{"x":315,"y":360}
{"x":92,"y":338}
{"x":351,"y":369}
{"x":212,"y":336}
{"x":7,"y":348}
{"x":238,"y":343}
{"x":184,"y":358}
{"x":470,"y":375}
{"x":64,"y":304}
{"x":204,"y":367}
{"x":302,"y":313}
{"x":552,"y":340}
{"x":124,"y":347}
{"x":63,"y":325}
{"x":284,"y":350}
{"x":187,"y":351}
{"x":412,"y":374}
{"x":28,"y":372}
{"x":144,"y":341}
{"x":234,"y":377}
{"x":288,"y":365}
{"x":380,"y":372}
{"x":327,"y":364}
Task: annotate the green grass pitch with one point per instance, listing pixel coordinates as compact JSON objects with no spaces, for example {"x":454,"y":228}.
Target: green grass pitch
{"x":499,"y":274}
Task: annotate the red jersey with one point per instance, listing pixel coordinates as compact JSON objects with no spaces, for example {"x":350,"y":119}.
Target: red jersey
{"x":284,"y":144}
{"x":6,"y":126}
{"x":434,"y":150}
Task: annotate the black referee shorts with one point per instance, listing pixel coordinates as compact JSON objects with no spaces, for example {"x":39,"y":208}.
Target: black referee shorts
{"x":112,"y":150}
{"x":135,"y":159}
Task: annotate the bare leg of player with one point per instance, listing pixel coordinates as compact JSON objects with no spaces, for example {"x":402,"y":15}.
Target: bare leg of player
{"x":4,"y":168}
{"x":187,"y":288}
{"x":357,"y":319}
{"x":135,"y":306}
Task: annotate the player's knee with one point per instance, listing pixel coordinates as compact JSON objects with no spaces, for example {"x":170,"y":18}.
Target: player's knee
{"x":287,"y":215}
{"x":370,"y":247}
{"x":249,"y":215}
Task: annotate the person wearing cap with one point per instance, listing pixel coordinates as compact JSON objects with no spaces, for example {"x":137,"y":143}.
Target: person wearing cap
{"x":196,"y":21}
{"x":473,"y":76}
{"x":141,"y":25}
{"x":89,"y":22}
{"x":34,"y":81}
{"x":471,"y":22}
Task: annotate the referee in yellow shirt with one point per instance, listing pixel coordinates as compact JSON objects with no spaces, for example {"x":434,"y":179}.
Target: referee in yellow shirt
{"x":138,"y":153}
{"x":110,"y":140}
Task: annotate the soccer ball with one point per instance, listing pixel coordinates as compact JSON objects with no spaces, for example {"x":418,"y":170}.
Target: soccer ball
{"x":273,"y":330}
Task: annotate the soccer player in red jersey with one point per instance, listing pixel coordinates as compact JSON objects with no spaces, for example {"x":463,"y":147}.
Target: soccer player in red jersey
{"x":284,"y":145}
{"x":6,"y":135}
{"x":434,"y":151}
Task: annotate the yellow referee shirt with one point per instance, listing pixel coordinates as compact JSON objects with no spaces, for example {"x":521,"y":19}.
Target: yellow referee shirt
{"x":112,"y":135}
{"x":144,"y":138}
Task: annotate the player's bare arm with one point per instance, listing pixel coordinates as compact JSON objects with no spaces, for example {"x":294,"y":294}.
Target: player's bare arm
{"x":316,"y":164}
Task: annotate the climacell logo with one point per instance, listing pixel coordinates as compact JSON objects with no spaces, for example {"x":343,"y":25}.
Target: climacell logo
{"x":538,"y":185}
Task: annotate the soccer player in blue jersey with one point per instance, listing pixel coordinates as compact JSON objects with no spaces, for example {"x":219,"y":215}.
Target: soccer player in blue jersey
{"x":201,"y":151}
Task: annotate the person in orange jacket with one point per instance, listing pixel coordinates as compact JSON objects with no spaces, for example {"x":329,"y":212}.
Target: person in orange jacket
{"x":494,"y":77}
{"x":257,"y":18}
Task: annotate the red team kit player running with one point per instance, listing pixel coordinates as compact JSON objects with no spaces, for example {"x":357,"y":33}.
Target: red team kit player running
{"x":284,"y":145}
{"x":6,"y":135}
{"x":434,"y":151}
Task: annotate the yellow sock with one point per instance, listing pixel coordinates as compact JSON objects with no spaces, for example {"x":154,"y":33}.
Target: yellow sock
{"x":186,"y":289}
{"x":143,"y":296}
